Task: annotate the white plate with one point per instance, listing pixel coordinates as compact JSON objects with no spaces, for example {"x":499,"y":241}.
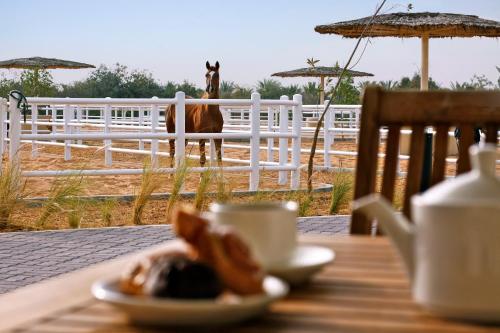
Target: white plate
{"x":305,"y":261}
{"x":182,"y":312}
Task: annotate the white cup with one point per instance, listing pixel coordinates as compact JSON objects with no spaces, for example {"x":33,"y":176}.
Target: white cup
{"x":269,"y":229}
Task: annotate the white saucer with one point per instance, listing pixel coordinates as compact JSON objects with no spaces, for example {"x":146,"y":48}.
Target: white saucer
{"x":305,"y":261}
{"x":184,"y":313}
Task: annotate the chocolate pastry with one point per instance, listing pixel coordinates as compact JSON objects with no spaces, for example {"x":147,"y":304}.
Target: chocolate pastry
{"x":179,"y":277}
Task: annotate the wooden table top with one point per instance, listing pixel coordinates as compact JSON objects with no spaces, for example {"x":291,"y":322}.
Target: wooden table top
{"x":364,"y":290}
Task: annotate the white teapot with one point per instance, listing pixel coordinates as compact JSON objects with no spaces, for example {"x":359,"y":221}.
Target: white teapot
{"x":452,"y":250}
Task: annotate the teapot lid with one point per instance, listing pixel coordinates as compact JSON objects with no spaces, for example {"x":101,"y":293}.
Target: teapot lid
{"x":480,"y":184}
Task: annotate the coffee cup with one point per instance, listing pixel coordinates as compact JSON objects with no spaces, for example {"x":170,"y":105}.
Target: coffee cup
{"x":269,"y":229}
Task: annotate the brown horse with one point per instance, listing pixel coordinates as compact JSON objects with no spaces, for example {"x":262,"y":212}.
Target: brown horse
{"x":201,"y":118}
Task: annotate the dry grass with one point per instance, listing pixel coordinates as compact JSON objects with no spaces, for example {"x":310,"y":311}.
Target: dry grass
{"x":149,"y":184}
{"x":62,"y":193}
{"x":342,"y":186}
{"x":179,"y":179}
{"x":12,"y":187}
{"x":201,"y":190}
{"x":107,"y":207}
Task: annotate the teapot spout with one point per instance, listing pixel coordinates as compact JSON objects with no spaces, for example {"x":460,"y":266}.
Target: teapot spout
{"x":395,"y":225}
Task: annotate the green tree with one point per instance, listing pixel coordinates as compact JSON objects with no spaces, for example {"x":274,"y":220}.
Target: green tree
{"x":226,"y":89}
{"x":37,"y":82}
{"x":190,"y":89}
{"x":6,"y":85}
{"x":310,"y":93}
{"x":347,"y":93}
{"x":269,"y":89}
{"x":414,"y":83}
{"x":141,"y":84}
{"x":477,"y":82}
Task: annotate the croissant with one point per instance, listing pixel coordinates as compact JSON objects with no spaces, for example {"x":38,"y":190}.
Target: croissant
{"x":222,"y":249}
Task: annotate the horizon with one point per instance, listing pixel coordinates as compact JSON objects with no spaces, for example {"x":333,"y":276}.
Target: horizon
{"x":247,"y":39}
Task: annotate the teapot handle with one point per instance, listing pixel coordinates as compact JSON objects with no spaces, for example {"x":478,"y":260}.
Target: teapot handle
{"x":483,"y":159}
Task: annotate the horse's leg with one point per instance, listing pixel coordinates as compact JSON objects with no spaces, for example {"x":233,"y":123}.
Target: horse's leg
{"x":171,"y":143}
{"x":203,"y":158}
{"x":218,"y":149}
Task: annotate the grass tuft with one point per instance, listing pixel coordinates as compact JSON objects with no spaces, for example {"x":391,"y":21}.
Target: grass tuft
{"x":148,"y":185}
{"x":201,"y":190}
{"x":106,"y":208}
{"x":342,"y":185}
{"x":12,"y":187}
{"x":61,"y":193}
{"x":179,"y":179}
{"x":224,"y":192}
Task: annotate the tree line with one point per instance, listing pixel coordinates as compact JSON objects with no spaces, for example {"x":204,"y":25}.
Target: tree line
{"x":119,"y":82}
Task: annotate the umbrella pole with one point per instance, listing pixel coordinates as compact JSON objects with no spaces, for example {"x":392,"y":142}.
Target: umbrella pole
{"x":424,"y":86}
{"x":424,"y":78}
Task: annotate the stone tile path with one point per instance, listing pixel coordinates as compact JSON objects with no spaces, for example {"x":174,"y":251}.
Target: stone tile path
{"x":29,"y":257}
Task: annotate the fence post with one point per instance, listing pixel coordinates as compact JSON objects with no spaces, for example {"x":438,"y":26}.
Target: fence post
{"x":180,"y":127}
{"x":67,"y":118}
{"x":14,"y":130}
{"x":270,"y":141}
{"x":327,"y":142}
{"x":34,"y":129}
{"x":154,"y":142}
{"x":54,"y":120}
{"x":79,"y":120}
{"x":141,"y":123}
{"x":283,"y":142}
{"x":296,"y":127}
{"x":254,"y":141}
{"x":3,"y":117}
{"x":108,"y":159}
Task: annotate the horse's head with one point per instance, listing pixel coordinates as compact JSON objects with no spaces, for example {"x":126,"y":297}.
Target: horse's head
{"x":212,"y":77}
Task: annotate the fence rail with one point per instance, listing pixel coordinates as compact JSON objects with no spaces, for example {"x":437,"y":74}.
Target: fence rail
{"x":69,"y":122}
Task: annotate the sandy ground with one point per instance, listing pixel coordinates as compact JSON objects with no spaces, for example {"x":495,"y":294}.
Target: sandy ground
{"x":51,"y":158}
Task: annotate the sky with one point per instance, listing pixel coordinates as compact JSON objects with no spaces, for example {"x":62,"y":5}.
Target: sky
{"x":250,"y":39}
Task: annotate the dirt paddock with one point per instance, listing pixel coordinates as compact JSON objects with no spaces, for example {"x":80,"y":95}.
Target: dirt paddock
{"x":52,"y":158}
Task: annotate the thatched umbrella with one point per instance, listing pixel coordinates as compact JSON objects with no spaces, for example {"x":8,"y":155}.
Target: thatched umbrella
{"x":38,"y":63}
{"x":42,"y":63}
{"x":321,"y":72}
{"x":422,"y":25}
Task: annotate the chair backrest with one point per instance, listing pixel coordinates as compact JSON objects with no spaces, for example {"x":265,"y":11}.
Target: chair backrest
{"x":440,"y":110}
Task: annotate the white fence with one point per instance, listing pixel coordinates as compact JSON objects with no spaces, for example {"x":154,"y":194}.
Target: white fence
{"x":73,"y":120}
{"x":150,"y":129}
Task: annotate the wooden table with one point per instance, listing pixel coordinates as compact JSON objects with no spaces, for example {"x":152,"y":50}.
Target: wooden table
{"x":364,"y":290}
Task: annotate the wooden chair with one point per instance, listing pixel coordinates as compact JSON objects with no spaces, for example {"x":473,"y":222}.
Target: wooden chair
{"x":418,"y":110}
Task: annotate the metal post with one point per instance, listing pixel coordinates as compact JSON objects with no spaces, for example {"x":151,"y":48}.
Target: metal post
{"x":296,"y":142}
{"x":180,"y":127}
{"x":270,"y":141}
{"x":154,"y":142}
{"x":14,"y":130}
{"x":327,"y":135}
{"x":254,"y":141}
{"x":34,"y":129}
{"x":108,"y":159}
{"x":283,"y":142}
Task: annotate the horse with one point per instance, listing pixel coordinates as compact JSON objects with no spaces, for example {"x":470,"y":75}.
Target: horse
{"x":201,"y":118}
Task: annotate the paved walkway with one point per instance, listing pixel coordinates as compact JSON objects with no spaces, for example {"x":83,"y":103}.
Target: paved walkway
{"x":29,"y":257}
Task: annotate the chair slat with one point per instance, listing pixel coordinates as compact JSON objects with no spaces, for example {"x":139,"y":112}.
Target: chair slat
{"x":440,"y":151}
{"x":492,"y":134}
{"x":366,"y":166}
{"x":465,"y":141}
{"x":415,"y":166}
{"x":391,"y":162}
